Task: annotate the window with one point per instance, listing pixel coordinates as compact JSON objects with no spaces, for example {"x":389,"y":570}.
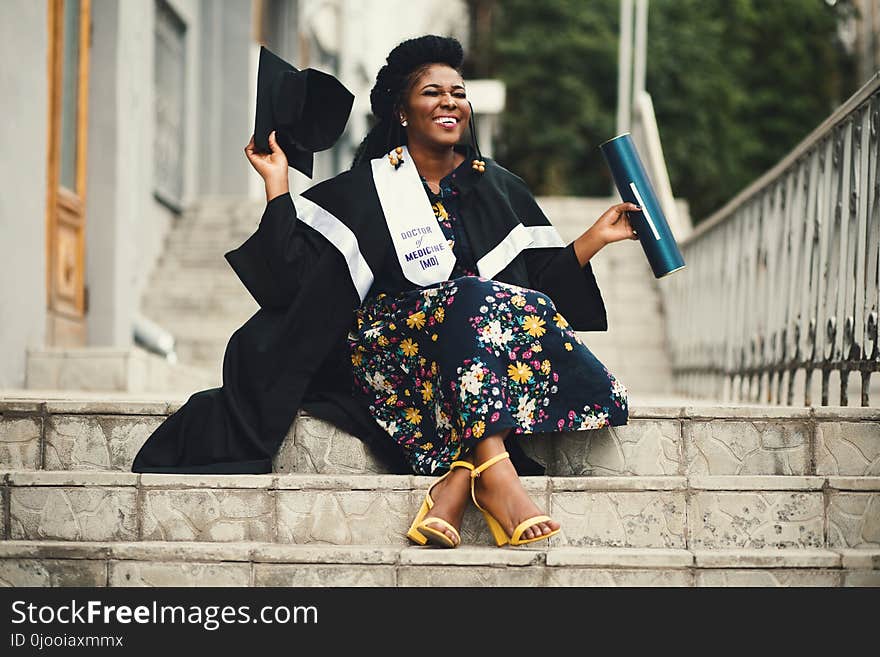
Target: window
{"x":170,"y":72}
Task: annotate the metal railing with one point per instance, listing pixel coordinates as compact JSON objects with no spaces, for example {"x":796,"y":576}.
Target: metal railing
{"x":783,"y":281}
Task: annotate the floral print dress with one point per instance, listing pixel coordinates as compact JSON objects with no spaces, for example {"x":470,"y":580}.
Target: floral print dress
{"x":445,"y":365}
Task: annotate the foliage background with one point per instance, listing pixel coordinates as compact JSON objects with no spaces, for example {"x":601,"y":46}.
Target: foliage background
{"x":736,"y":84}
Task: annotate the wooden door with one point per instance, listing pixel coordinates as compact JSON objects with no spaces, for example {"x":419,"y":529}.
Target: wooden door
{"x":69,"y":32}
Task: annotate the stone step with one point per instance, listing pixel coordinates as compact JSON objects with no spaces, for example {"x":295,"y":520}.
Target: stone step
{"x":698,"y":512}
{"x":67,"y":433}
{"x":164,"y":564}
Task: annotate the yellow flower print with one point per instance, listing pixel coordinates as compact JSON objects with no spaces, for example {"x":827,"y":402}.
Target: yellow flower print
{"x":434,"y":337}
{"x":427,"y":391}
{"x":560,"y":320}
{"x":545,"y":367}
{"x":478,"y":429}
{"x":439,"y":314}
{"x":534,"y":326}
{"x":392,"y":327}
{"x":537,"y":348}
{"x":568,"y":346}
{"x":413,"y":415}
{"x":440,"y":211}
{"x":406,"y":393}
{"x":427,"y":446}
{"x":392,"y":400}
{"x":409,"y":347}
{"x":433,"y":367}
{"x":422,"y":361}
{"x":518,"y":300}
{"x":383,"y":341}
{"x":521,"y":373}
{"x":416,"y":320}
{"x":357,"y":357}
{"x":542,"y":301}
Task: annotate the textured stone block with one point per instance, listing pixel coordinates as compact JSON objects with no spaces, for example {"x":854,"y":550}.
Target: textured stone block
{"x":318,"y":446}
{"x":4,"y":506}
{"x":863,"y":578}
{"x":181,"y":551}
{"x":620,"y":519}
{"x":20,"y":442}
{"x":471,"y":576}
{"x":754,"y":558}
{"x":153,"y":480}
{"x":755,"y":482}
{"x":96,"y":442}
{"x":756,"y":447}
{"x":175,"y":573}
{"x":321,"y":554}
{"x":755,"y":519}
{"x":469,"y":555}
{"x":865,"y":559}
{"x":344,"y":517}
{"x":73,"y":514}
{"x":855,"y":483}
{"x":208,"y":515}
{"x":323,"y":575}
{"x":771,"y":577}
{"x":605,"y":577}
{"x":637,"y":558}
{"x":854,"y":520}
{"x":848,"y":448}
{"x":52,"y":572}
{"x":642,"y":447}
{"x":710,"y":411}
{"x":348,"y":482}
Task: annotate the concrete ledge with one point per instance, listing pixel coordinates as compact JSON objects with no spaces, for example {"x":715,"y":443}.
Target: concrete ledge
{"x":785,"y":558}
{"x":755,"y":482}
{"x":619,"y":557}
{"x":47,"y":563}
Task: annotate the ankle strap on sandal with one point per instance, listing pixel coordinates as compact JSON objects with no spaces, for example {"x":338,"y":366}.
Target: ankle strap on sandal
{"x":461,"y":464}
{"x":475,"y":472}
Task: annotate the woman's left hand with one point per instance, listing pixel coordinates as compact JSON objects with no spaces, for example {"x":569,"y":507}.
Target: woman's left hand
{"x":614,"y":224}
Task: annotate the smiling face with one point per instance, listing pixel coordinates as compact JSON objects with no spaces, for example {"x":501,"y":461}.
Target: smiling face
{"x":436,"y":108}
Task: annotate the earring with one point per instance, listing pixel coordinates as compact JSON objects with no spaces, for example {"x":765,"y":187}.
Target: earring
{"x":477,"y":164}
{"x":403,"y":123}
{"x":396,"y":157}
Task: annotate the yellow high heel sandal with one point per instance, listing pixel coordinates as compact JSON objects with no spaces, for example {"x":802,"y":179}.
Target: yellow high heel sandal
{"x":498,"y":533}
{"x":420,"y":532}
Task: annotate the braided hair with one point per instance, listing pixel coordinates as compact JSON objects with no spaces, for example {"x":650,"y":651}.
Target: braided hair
{"x":405,"y":63}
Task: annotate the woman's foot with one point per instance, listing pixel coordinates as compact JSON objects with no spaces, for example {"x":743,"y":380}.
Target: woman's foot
{"x":499,"y":490}
{"x":450,"y":497}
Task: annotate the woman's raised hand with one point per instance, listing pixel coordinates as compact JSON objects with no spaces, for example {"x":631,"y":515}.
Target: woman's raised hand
{"x":614,"y":225}
{"x":272,"y":166}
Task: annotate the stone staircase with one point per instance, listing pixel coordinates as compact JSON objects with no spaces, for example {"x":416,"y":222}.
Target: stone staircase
{"x":193,"y":293}
{"x":684,"y":495}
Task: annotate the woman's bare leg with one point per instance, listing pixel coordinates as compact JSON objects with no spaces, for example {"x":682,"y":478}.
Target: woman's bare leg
{"x":451,"y":497}
{"x":499,"y":490}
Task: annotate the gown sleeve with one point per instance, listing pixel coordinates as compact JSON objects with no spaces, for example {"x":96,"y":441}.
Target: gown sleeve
{"x":274,"y":260}
{"x":556,"y":272}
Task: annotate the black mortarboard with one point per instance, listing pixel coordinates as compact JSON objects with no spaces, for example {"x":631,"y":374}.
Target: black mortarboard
{"x":308,"y":110}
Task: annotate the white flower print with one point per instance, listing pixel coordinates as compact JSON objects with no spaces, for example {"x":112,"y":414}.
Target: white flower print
{"x":471,"y":381}
{"x":596,"y":421}
{"x":525,"y":411}
{"x":494,"y":335}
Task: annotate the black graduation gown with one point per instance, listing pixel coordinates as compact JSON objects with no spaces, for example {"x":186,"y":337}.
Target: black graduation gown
{"x":292,"y":353}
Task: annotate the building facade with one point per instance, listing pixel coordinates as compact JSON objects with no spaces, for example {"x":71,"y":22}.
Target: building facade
{"x":117,"y":115}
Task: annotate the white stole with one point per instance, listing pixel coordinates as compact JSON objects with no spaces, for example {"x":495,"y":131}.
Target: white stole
{"x":422,"y":250}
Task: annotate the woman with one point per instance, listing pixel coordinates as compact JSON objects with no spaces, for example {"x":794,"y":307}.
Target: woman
{"x":460,"y":292}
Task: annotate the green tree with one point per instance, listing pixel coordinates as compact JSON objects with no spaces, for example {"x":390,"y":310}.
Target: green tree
{"x":735,"y":84}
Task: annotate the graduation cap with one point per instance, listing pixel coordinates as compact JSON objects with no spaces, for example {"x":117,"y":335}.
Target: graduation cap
{"x":308,"y":110}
